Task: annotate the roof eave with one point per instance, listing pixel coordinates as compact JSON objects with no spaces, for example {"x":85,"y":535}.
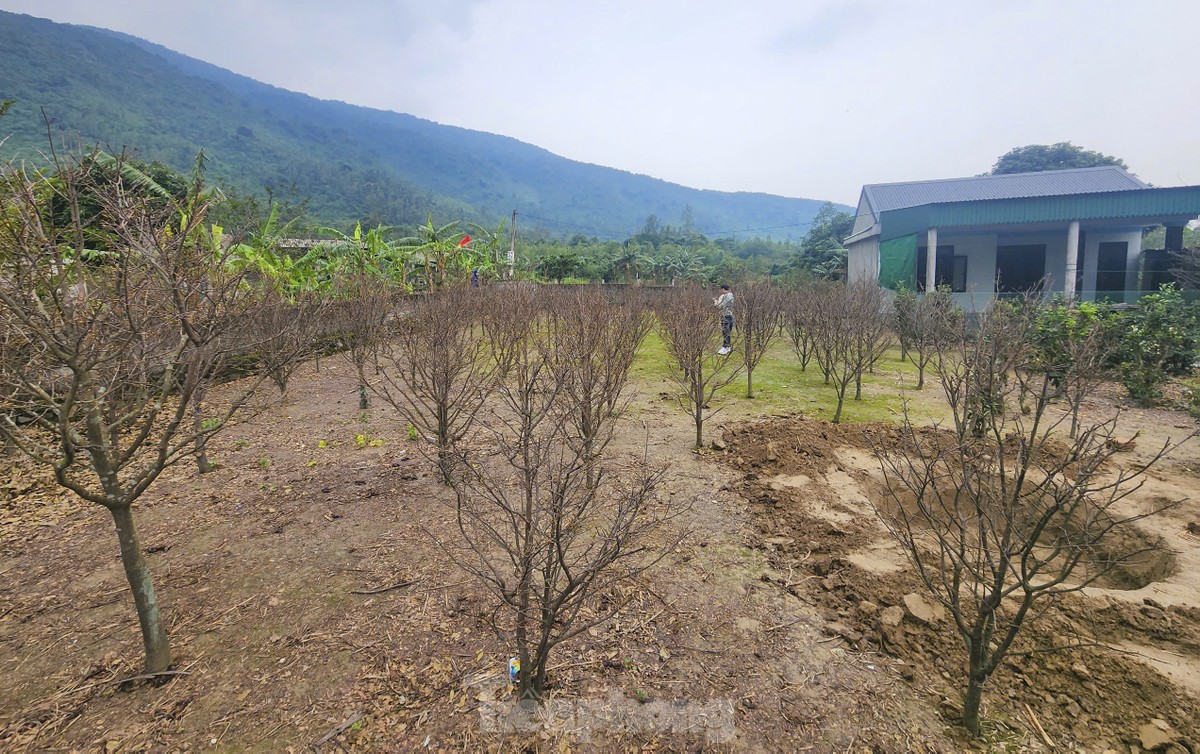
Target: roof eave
{"x":873,"y":230}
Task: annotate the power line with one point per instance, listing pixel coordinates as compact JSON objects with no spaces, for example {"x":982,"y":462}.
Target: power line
{"x":810,"y":223}
{"x":592,"y":228}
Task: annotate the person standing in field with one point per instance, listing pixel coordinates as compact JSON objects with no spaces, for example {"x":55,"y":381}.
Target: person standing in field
{"x":724,"y":303}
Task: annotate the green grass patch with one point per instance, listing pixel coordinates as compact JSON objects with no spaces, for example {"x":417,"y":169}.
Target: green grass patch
{"x":653,"y":363}
{"x":781,"y":387}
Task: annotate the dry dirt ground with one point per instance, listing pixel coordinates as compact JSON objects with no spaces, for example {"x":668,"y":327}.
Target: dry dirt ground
{"x":309,"y":605}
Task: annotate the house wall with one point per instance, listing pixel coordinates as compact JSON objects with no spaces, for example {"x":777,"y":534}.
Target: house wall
{"x":863,"y":218}
{"x":1091,"y":258}
{"x":980,"y":251}
{"x":1056,"y":253}
{"x":862,"y":261}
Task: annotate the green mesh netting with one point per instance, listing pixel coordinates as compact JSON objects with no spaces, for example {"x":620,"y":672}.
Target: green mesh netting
{"x":898,"y":262}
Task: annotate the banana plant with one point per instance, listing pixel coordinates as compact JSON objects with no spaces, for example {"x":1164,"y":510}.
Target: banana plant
{"x":433,"y":246}
{"x":132,"y":176}
{"x":398,"y":259}
{"x":684,"y":264}
{"x":260,"y":255}
{"x":488,"y":247}
{"x":347,"y":254}
{"x":370,"y":254}
{"x":631,"y":261}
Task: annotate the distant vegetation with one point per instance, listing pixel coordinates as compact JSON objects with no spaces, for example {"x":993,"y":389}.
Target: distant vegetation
{"x":1061,"y":156}
{"x":342,"y":165}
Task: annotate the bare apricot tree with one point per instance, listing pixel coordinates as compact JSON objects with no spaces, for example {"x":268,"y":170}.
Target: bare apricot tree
{"x":758,"y":310}
{"x":850,"y":333}
{"x":274,"y":337}
{"x":1088,"y":354}
{"x":595,"y":343}
{"x":119,"y":316}
{"x":925,"y":326}
{"x":1000,"y":516}
{"x":827,"y":326}
{"x":798,"y":320}
{"x":283,"y":333}
{"x":508,"y":316}
{"x":691,"y":334}
{"x":543,"y":524}
{"x":358,"y":314}
{"x":904,"y":302}
{"x":433,"y":368}
{"x":872,"y":335}
{"x":838,"y":353}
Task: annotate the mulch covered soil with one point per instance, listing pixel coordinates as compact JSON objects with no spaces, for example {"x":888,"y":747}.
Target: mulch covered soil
{"x":310,"y":605}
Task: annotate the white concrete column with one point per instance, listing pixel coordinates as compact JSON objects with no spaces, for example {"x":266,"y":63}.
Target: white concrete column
{"x":931,"y":261}
{"x":1072,"y":260}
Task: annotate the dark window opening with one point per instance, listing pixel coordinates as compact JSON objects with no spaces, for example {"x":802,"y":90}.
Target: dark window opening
{"x":1158,"y":269}
{"x":950,"y":270}
{"x":1111,"y":263}
{"x":1020,"y":268}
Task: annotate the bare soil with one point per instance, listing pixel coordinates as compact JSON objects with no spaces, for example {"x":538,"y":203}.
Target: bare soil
{"x":310,"y":605}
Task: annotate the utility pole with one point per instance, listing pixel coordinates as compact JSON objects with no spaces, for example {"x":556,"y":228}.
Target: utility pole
{"x":512,"y":249}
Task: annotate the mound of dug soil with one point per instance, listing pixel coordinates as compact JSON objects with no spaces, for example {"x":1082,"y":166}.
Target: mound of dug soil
{"x":1078,"y":674}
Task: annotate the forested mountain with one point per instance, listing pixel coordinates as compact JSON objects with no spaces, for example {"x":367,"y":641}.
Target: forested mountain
{"x":351,"y":163}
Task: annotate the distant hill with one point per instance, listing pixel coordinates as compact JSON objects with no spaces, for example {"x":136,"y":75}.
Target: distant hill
{"x":353,"y":163}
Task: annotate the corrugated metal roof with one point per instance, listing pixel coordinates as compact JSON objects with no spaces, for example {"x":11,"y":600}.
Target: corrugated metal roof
{"x":1144,"y":207}
{"x":885,"y":197}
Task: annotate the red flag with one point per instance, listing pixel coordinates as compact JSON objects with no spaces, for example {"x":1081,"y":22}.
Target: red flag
{"x":466,"y":240}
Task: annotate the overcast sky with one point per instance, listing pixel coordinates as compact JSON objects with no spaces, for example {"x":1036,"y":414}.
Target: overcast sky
{"x":794,"y":97}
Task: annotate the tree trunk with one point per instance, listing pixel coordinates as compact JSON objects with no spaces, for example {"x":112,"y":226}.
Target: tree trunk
{"x":154,"y":633}
{"x":749,"y":383}
{"x":362,"y":397}
{"x":525,"y":677}
{"x":202,"y":464}
{"x":444,"y":445}
{"x":976,"y":675}
{"x":699,"y":428}
{"x":525,"y":688}
{"x":446,"y":465}
{"x":858,"y":386}
{"x":542,"y":659}
{"x":589,"y":463}
{"x":837,"y":416}
{"x":970,"y":713}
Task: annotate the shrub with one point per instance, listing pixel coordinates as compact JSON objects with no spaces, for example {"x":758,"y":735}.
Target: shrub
{"x":1071,"y":344}
{"x":1156,"y":341}
{"x":1056,"y":329}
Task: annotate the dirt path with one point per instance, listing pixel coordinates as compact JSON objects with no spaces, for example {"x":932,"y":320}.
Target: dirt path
{"x":768,"y":610}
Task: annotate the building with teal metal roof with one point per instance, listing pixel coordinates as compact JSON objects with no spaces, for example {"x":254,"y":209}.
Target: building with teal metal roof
{"x":1072,"y":232}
